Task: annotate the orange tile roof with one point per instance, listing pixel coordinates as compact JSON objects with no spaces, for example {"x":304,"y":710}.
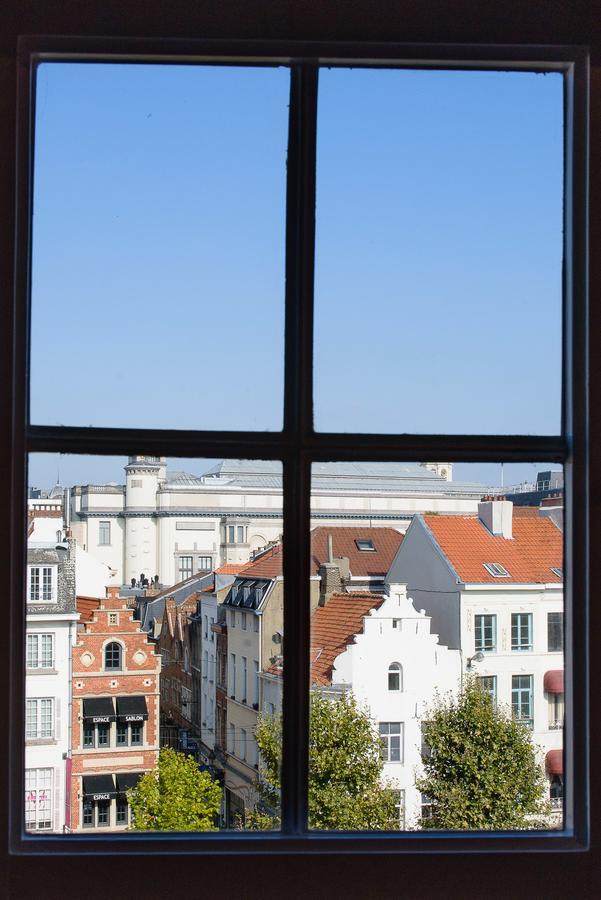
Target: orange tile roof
{"x":267,"y":565}
{"x":362,"y":563}
{"x":86,"y":606}
{"x":230,"y":568}
{"x":529,"y":556}
{"x":333,"y":628}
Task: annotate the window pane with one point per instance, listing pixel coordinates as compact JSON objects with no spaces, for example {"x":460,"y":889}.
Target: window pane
{"x":159,"y":215}
{"x":397,"y":632}
{"x":439,"y":247}
{"x":157,"y":662}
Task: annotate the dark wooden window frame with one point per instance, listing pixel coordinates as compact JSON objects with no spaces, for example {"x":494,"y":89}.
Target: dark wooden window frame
{"x":298,"y":445}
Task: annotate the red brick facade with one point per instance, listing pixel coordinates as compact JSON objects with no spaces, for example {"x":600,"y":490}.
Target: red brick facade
{"x":124,"y":676}
{"x":176,"y":655}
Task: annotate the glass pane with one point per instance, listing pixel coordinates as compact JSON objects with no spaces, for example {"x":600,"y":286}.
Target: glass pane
{"x":166,"y":671}
{"x":158,"y":246}
{"x":439,"y":252}
{"x":414,"y":654}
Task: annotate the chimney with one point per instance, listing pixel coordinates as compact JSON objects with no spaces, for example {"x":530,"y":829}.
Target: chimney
{"x":330,"y":549}
{"x":496,"y":515}
{"x":331,"y":582}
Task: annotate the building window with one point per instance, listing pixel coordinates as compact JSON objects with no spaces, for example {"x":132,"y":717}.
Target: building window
{"x":521,"y":632}
{"x":113,"y":618}
{"x":397,"y":623}
{"x":38,"y":799}
{"x":240,"y":534}
{"x":427,"y":807}
{"x":556,"y":792}
{"x":40,"y":651}
{"x":521,"y":699}
{"x":112,"y":656}
{"x":231,"y":739}
{"x":255,"y":684}
{"x":243,"y":620}
{"x":122,"y":812}
{"x":205,"y":563}
{"x":103,"y":818}
{"x":365,"y":545}
{"x":136,"y":734}
{"x":256,"y":624}
{"x":399,"y":805}
{"x":41,"y":584}
{"x":122,"y":734}
{"x":488,"y":684}
{"x":555,"y":632}
{"x":497,"y":570}
{"x":556,"y":711}
{"x":232,"y":676}
{"x":485,"y":637}
{"x":89,"y":737}
{"x":39,"y":719}
{"x":244,"y":678}
{"x":186,"y":564}
{"x":242,"y":743}
{"x":104,"y":534}
{"x":391,"y":740}
{"x":103,"y":735}
{"x":395,"y":677}
{"x":87,"y":816}
{"x":231,"y":534}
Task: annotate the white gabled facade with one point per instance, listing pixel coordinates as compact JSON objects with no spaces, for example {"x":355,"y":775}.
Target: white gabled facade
{"x":394,"y":668}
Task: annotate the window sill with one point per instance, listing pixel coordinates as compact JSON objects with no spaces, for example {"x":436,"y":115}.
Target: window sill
{"x":40,"y":671}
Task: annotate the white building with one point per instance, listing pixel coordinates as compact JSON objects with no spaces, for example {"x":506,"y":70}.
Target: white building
{"x":493,"y":585}
{"x":50,"y":625}
{"x":173,"y":524}
{"x":383,"y":650}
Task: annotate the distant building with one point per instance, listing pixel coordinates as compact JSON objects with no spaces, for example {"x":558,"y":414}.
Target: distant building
{"x":493,"y":587}
{"x":50,"y":631}
{"x":175,"y":525}
{"x":176,"y":670}
{"x":115,"y":714}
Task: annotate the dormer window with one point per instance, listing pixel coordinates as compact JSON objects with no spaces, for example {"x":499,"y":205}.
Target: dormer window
{"x":365,"y":545}
{"x":496,"y":569}
{"x":41,"y":584}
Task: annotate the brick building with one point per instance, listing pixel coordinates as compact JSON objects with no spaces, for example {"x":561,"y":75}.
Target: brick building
{"x":115,"y":717}
{"x":176,"y":672}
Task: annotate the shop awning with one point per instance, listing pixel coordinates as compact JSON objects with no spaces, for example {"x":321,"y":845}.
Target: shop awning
{"x":132,"y":709}
{"x":98,"y":710}
{"x":127,"y":780}
{"x":554,"y":762}
{"x":553,"y":681}
{"x":99,"y":787}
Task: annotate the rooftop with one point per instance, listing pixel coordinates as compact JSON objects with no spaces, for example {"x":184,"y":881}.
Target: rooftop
{"x":530,"y":556}
{"x":334,"y":627}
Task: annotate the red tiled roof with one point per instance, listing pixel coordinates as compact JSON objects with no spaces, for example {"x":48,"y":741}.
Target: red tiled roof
{"x":386,"y":542}
{"x":86,"y":606}
{"x":525,"y":511}
{"x":536,"y":548}
{"x":267,"y":565}
{"x":230,"y":568}
{"x":333,"y":628}
{"x":363,"y":563}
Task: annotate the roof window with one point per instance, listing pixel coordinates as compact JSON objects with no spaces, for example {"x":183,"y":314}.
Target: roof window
{"x":365,"y":545}
{"x":496,"y":569}
{"x":557,"y":571}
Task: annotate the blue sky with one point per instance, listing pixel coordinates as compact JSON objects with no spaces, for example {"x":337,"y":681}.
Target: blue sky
{"x":158,"y":260}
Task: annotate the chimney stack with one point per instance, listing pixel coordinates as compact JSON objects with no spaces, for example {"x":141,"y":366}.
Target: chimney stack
{"x":497,"y":516}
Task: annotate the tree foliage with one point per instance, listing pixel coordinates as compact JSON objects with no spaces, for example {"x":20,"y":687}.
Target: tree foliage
{"x":175,"y":796}
{"x":481,"y":770}
{"x":345,"y":767}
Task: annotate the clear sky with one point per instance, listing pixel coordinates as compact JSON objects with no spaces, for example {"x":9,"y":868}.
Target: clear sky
{"x":158,"y":261}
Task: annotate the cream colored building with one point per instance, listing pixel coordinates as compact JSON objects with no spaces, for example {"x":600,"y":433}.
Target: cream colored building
{"x":174,"y":524}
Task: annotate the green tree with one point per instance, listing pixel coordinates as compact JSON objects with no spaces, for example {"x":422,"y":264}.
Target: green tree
{"x":175,"y":796}
{"x":481,"y":770}
{"x":345,"y":767}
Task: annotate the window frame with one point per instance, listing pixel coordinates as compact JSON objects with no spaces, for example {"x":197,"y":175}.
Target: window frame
{"x":298,"y":446}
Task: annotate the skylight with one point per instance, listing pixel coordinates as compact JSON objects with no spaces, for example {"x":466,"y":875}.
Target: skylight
{"x":496,"y":569}
{"x":365,"y":545}
{"x":557,"y":571}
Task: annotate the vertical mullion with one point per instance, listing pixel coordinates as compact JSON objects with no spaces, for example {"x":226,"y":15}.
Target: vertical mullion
{"x":298,"y":425}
